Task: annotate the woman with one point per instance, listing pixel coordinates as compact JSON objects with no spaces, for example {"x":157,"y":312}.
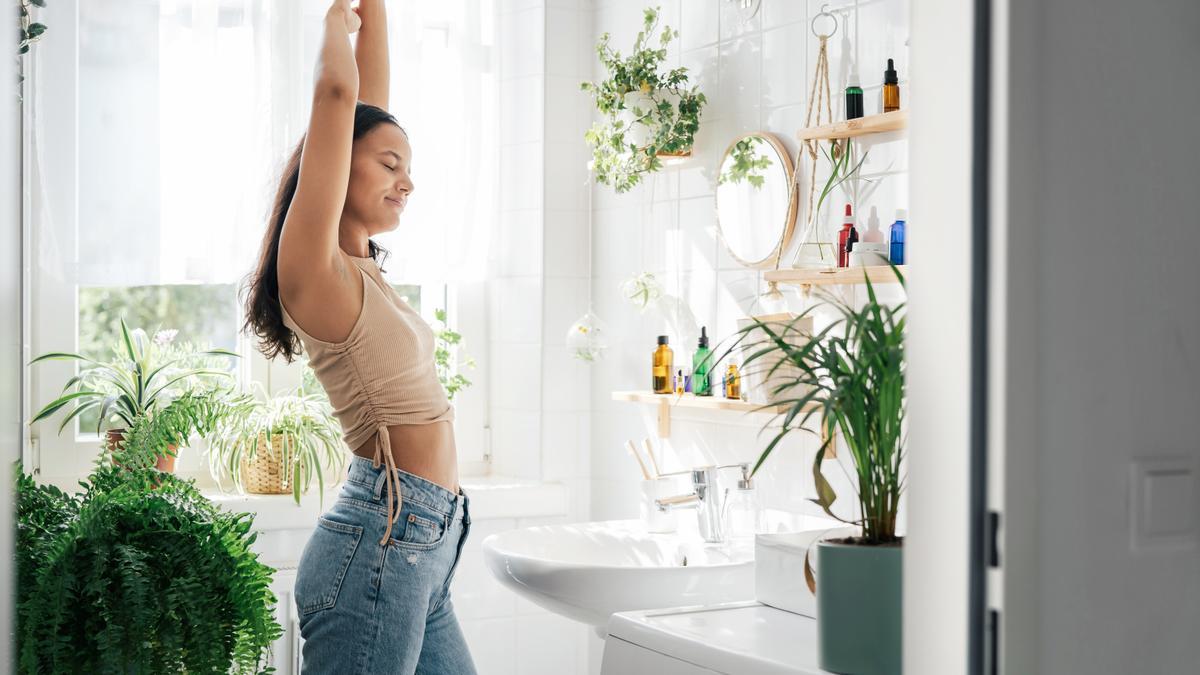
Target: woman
{"x":373,"y":584}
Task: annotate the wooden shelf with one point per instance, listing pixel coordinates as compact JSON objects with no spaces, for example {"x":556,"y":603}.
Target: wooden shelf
{"x":693,"y":401}
{"x":863,"y":126}
{"x":842,"y":275}
{"x":667,"y":401}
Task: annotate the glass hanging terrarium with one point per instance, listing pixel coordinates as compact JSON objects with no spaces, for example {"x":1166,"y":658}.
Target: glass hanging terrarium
{"x":587,"y":337}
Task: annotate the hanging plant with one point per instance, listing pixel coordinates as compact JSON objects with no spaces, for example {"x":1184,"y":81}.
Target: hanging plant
{"x":647,"y":113}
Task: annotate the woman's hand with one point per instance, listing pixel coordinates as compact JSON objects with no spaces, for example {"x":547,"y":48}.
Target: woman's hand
{"x":343,"y":10}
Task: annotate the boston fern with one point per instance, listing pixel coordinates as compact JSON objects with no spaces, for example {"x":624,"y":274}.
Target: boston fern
{"x":140,"y":572}
{"x":646,"y":112}
{"x":851,"y":376}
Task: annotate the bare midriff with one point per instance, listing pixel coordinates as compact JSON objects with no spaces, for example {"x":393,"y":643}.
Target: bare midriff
{"x":425,"y":450}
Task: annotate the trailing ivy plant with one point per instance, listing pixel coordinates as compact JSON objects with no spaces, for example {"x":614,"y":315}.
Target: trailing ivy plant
{"x":745,"y":163}
{"x":140,"y":572}
{"x":647,"y":112}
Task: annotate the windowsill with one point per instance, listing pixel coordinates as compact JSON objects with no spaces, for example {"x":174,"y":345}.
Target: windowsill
{"x":492,"y":497}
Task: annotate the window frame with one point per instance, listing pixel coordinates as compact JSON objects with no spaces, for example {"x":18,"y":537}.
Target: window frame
{"x":50,"y":218}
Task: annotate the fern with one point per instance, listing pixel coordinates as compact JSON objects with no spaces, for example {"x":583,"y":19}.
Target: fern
{"x":140,"y":572}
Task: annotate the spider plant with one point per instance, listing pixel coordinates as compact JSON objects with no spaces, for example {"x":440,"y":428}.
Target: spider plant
{"x":851,"y":376}
{"x":143,"y":375}
{"x":310,"y":439}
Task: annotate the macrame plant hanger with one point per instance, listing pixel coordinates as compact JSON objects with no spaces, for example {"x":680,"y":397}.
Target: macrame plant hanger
{"x":815,"y":250}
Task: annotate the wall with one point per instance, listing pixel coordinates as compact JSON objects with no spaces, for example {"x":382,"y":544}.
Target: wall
{"x":1101,"y":563}
{"x":755,"y":76}
{"x":935,"y":553}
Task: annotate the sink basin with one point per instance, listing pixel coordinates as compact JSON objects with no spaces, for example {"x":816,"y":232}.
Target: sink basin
{"x":588,"y":571}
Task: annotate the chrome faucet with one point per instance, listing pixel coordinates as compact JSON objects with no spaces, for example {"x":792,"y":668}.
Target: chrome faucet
{"x":705,"y":498}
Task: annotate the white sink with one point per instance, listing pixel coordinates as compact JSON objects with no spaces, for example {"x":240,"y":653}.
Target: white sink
{"x":588,"y":571}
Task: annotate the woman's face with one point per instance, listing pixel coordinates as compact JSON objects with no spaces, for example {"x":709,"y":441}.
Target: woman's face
{"x":379,"y":178}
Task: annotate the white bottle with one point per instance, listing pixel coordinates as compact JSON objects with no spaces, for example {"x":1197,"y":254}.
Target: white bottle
{"x":743,"y":514}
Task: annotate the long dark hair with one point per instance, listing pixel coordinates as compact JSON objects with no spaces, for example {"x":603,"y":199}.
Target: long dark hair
{"x":260,"y":289}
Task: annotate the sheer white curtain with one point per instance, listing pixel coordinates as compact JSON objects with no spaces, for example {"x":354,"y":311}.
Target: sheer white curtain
{"x":189,"y":107}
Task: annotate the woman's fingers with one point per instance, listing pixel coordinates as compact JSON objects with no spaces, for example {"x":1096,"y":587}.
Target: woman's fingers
{"x":349,"y":15}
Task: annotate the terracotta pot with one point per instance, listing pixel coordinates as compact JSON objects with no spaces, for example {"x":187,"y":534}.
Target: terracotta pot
{"x":165,"y":464}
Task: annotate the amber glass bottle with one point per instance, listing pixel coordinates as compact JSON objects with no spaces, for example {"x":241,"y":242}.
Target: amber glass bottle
{"x":891,"y":89}
{"x":661,"y":366}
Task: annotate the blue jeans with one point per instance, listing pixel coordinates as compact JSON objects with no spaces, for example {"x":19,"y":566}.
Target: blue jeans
{"x":371,"y":608}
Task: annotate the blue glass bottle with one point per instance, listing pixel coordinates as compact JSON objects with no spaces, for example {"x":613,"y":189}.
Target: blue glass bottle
{"x":896,"y":250}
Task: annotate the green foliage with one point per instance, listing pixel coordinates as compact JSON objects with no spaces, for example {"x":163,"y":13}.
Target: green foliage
{"x":851,"y":377}
{"x":841,"y":169}
{"x":140,"y":572}
{"x":663,"y":108}
{"x":31,"y":31}
{"x":744,"y":163}
{"x":311,"y":439}
{"x":141,"y":377}
{"x":447,"y":341}
{"x":156,"y":434}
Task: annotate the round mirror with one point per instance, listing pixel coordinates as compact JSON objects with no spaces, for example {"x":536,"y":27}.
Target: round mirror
{"x":756,"y":214}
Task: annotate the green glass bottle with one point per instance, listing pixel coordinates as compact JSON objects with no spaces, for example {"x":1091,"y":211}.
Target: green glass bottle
{"x":702,"y":366}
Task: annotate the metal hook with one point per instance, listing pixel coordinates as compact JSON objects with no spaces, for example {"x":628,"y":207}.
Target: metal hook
{"x":824,"y":12}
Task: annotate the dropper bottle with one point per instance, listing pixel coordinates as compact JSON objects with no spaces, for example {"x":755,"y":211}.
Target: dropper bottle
{"x":891,"y":89}
{"x":854,"y":96}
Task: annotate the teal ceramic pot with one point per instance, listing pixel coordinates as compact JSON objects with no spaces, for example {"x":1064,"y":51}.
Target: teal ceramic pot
{"x":859,"y":608}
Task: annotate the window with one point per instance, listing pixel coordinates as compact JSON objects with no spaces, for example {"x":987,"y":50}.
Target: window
{"x":160,"y":128}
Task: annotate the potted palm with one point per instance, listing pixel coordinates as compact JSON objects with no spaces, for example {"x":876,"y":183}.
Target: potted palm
{"x":850,"y":375}
{"x":279,"y":446}
{"x":140,"y":573}
{"x":143,"y":375}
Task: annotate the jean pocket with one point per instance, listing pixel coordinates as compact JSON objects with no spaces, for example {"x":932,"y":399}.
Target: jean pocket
{"x":324,"y":564}
{"x":419,"y":527}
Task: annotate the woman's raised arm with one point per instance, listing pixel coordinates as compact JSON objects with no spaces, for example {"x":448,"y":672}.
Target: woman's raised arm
{"x":308,"y":245}
{"x":371,"y":53}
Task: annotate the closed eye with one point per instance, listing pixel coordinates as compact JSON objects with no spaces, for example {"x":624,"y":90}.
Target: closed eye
{"x":390,"y":168}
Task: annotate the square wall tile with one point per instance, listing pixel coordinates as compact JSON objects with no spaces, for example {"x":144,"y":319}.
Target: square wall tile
{"x":519,"y":244}
{"x":568,"y":116}
{"x":564,"y":381}
{"x":517,"y":309}
{"x":549,"y":644}
{"x":516,"y":443}
{"x":565,"y":445}
{"x":565,"y":302}
{"x":699,"y":23}
{"x":562,"y":34}
{"x":785,"y":76}
{"x":522,"y":43}
{"x":491,"y":643}
{"x":777,"y":13}
{"x":517,"y":367}
{"x":521,"y":119}
{"x":521,"y":176}
{"x":566,"y":249}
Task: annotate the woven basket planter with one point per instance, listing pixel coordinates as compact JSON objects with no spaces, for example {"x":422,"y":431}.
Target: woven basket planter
{"x":269,"y":472}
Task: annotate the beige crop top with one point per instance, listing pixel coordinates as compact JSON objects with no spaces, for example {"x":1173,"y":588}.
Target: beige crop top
{"x":382,"y":374}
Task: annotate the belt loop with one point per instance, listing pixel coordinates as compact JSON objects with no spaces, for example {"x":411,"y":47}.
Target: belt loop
{"x":380,"y":481}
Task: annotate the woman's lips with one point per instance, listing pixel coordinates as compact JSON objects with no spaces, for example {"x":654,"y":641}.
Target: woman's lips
{"x":395,"y":202}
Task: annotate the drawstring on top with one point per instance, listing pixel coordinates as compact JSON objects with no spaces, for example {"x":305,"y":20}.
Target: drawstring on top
{"x":383,"y":446}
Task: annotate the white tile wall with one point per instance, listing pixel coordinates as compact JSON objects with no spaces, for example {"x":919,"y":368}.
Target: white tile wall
{"x":757,"y":75}
{"x":553,"y":417}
